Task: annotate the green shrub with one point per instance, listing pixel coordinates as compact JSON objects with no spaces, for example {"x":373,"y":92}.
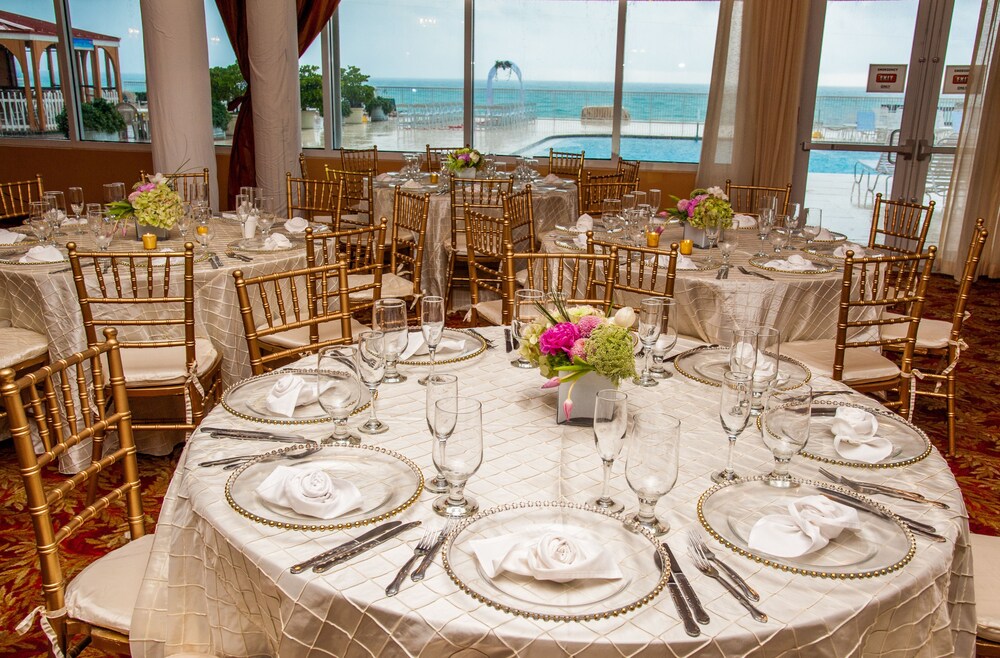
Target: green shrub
{"x":220,"y":115}
{"x":98,"y":116}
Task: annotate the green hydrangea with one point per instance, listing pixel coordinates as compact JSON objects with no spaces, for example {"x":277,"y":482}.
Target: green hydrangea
{"x":159,"y":207}
{"x":609,"y":352}
{"x":711,"y":212}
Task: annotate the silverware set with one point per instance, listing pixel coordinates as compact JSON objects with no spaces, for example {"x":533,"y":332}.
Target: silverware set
{"x":873,"y":488}
{"x":351,"y":549}
{"x":230,"y":463}
{"x":236,"y":256}
{"x":214,"y":261}
{"x":753,"y":273}
{"x":489,"y":343}
{"x":426,"y":548}
{"x":919,"y":527}
{"x":253,"y":435}
{"x":723,"y":272}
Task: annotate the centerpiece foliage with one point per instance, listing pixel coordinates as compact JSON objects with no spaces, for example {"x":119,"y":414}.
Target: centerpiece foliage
{"x":704,"y":208}
{"x":153,"y":204}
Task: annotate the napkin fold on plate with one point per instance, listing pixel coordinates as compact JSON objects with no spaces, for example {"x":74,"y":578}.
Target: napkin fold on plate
{"x":854,"y":436}
{"x":559,"y":556}
{"x":794,"y":263}
{"x":765,"y":367}
{"x":10,"y":237}
{"x":841,"y":251}
{"x":744,"y":221}
{"x":297,"y":225}
{"x":412,"y":185}
{"x":552,"y":179}
{"x":683,"y":262}
{"x":309,"y":491}
{"x":160,"y":262}
{"x":415,"y":344}
{"x":584,"y":223}
{"x":43,"y":254}
{"x":276,"y":241}
{"x":383,"y":177}
{"x":580,"y":240}
{"x":289,"y":392}
{"x":824,"y":235}
{"x":811,"y":523}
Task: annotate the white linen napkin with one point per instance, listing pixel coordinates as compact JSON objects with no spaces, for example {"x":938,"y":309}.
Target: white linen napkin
{"x":793,"y":263}
{"x":160,"y":262}
{"x":584,"y":223}
{"x":277,"y":241}
{"x":297,"y":225}
{"x":289,"y":392}
{"x":560,"y":556}
{"x":383,"y":177}
{"x":73,"y":221}
{"x":552,"y":179}
{"x":40,"y":254}
{"x":824,"y":235}
{"x":230,"y":215}
{"x":684,"y":263}
{"x":415,"y":345}
{"x":811,"y":522}
{"x":580,"y":240}
{"x":10,"y":237}
{"x":841,"y":251}
{"x":744,"y":221}
{"x":412,"y":185}
{"x":250,"y":226}
{"x":309,"y":491}
{"x":764,"y":368}
{"x":854,"y":436}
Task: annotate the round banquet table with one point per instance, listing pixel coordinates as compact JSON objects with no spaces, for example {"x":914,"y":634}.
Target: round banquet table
{"x":219,"y":583}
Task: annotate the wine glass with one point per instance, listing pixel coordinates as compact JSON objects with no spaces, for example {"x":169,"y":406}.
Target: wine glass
{"x":432,"y":326}
{"x":76,"y":204}
{"x":610,"y":425}
{"x":650,"y":323}
{"x":628,"y":201}
{"x":389,"y":317}
{"x":667,"y":338}
{"x":765,"y":373}
{"x":654,"y":199}
{"x":765,"y":219}
{"x":370,"y":360}
{"x":728,"y":241}
{"x":57,"y":210}
{"x":39,"y":222}
{"x":114,"y":192}
{"x":439,"y":387}
{"x":264,"y":206}
{"x":203,"y":227}
{"x":525,"y":312}
{"x":184,"y":220}
{"x":785,"y":429}
{"x":200,"y":194}
{"x":812,"y":225}
{"x":339,"y":389}
{"x":103,"y":227}
{"x":611,"y":213}
{"x":651,"y":465}
{"x":779,"y":237}
{"x":734,"y":412}
{"x":640,"y":198}
{"x":244,"y":211}
{"x":712,"y":233}
{"x":458,"y":429}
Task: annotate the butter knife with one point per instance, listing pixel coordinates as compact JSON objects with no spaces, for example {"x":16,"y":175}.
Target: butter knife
{"x":253,"y":435}
{"x":364,"y":546}
{"x":690,"y":626}
{"x":918,"y":527}
{"x":685,"y":586}
{"x":346,"y":546}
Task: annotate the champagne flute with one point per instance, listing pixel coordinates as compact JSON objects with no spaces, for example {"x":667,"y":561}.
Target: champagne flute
{"x":370,"y":360}
{"x":654,"y":199}
{"x":765,"y":219}
{"x":525,"y":313}
{"x":650,"y":323}
{"x":458,"y":428}
{"x":785,"y":429}
{"x":610,"y":425}
{"x":795,"y":218}
{"x":77,"y":204}
{"x":389,"y":317}
{"x":339,"y":389}
{"x":432,"y":326}
{"x":439,"y":387}
{"x":667,"y":338}
{"x":184,"y":220}
{"x":712,"y":233}
{"x":734,"y":412}
{"x":651,"y":465}
{"x":812,"y":225}
{"x":244,"y":207}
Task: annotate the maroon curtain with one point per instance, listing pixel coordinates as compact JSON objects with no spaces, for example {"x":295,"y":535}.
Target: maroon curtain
{"x":312,"y":15}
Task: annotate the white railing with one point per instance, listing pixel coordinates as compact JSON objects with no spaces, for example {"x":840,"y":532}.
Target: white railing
{"x":13,"y":111}
{"x":52,"y":102}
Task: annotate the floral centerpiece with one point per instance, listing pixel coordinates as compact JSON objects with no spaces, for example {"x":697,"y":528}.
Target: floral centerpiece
{"x":464,"y":159}
{"x":704,"y":208}
{"x":153,"y":204}
{"x":577,"y":341}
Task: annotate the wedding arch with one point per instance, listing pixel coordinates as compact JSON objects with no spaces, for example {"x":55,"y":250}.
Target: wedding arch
{"x":503,"y":65}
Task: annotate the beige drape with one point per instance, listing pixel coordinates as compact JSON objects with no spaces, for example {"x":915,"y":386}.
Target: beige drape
{"x":975,"y":181}
{"x":750,"y":127}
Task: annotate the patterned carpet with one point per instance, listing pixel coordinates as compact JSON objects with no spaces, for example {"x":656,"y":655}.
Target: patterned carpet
{"x":977,"y":468}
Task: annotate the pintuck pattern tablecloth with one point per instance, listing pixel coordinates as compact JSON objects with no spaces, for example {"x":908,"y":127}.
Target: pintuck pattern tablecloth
{"x":219,"y":583}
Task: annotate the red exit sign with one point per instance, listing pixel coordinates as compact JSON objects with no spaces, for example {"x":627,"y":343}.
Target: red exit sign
{"x":886,"y":78}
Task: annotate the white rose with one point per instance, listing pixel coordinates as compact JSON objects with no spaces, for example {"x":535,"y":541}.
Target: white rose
{"x":625,"y":317}
{"x":314,"y":484}
{"x":157,"y":178}
{"x":474,"y":157}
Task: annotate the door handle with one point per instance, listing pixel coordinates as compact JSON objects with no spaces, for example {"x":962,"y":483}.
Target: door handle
{"x":908,"y":149}
{"x":922,"y":151}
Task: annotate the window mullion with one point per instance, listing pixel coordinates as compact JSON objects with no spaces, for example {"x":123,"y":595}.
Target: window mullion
{"x":468,"y":90}
{"x":69,"y":79}
{"x":616,"y":117}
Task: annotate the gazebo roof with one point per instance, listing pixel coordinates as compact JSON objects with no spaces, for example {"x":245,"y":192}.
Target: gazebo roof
{"x":25,"y":27}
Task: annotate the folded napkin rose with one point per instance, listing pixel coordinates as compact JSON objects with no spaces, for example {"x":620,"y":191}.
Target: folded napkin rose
{"x":311,"y":492}
{"x":412,"y":185}
{"x":580,"y":240}
{"x":552,"y":179}
{"x":765,"y":367}
{"x":276,"y":241}
{"x":10,"y":237}
{"x":40,"y":254}
{"x":561,"y":556}
{"x":744,"y":221}
{"x":794,"y":263}
{"x":811,"y":522}
{"x":584,"y":223}
{"x":160,"y":262}
{"x":824,"y":235}
{"x":854,"y":436}
{"x":685,"y":263}
{"x":841,"y":251}
{"x":383,"y":177}
{"x":415,"y":344}
{"x":289,"y":392}
{"x":297,"y":225}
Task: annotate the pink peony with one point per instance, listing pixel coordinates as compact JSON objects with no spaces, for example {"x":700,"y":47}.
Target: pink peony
{"x":558,"y":338}
{"x":683,"y":204}
{"x":579,"y":349}
{"x":147,"y":187}
{"x":132,"y":197}
{"x":587,"y":324}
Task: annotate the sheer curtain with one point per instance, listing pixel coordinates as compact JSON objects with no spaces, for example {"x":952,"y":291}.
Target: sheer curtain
{"x":750,"y":127}
{"x":975,"y":180}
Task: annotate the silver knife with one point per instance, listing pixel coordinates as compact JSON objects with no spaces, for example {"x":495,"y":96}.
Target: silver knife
{"x":421,"y":570}
{"x":346,"y":546}
{"x":685,"y":585}
{"x":358,"y":550}
{"x":690,"y":626}
{"x":918,"y":527}
{"x":254,"y":435}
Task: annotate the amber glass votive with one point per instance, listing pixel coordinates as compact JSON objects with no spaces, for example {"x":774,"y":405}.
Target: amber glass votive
{"x":686,"y":247}
{"x":652,"y":239}
{"x":149,"y":241}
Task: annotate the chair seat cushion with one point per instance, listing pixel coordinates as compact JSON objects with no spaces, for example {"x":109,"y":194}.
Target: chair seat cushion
{"x":986,"y":576}
{"x":162,"y":366}
{"x":860,"y":365}
{"x":17,"y":345}
{"x":393,"y":285}
{"x":104,"y":593}
{"x":931,"y":334}
{"x":300,"y":336}
{"x":491,"y":311}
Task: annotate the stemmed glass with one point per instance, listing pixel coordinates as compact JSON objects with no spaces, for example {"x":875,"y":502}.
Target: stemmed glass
{"x":628,"y":201}
{"x":611,"y":213}
{"x":785,"y":429}
{"x":812,"y":225}
{"x":610,"y":425}
{"x":654,"y":199}
{"x":734,"y":412}
{"x":38,"y":221}
{"x":741,"y":343}
{"x":650,"y":323}
{"x":432,"y":326}
{"x":370,"y":357}
{"x":244,"y":211}
{"x":265,"y":214}
{"x":339,"y":389}
{"x":712,"y":233}
{"x":765,"y":373}
{"x":666,"y":340}
{"x":103,"y":227}
{"x":793,"y":225}
{"x":525,"y":313}
{"x":728,"y":241}
{"x":651,"y":465}
{"x":114,"y":192}
{"x":779,"y":234}
{"x":184,"y":220}
{"x":765,"y":219}
{"x":458,"y":429}
{"x":57,"y":210}
{"x":439,"y":387}
{"x":389,"y":317}
{"x":203,"y":228}
{"x":76,"y":203}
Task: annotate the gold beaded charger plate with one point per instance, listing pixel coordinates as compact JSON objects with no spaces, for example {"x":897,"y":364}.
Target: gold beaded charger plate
{"x":820,"y":266}
{"x":388,"y":482}
{"x":728,"y":511}
{"x":632,"y":548}
{"x":826,"y":250}
{"x":473,"y":346}
{"x":701,"y":264}
{"x":708,"y":365}
{"x":248,"y":400}
{"x":833,"y":239}
{"x":11,"y":254}
{"x":256,"y":246}
{"x":568,"y":243}
{"x":910,"y":442}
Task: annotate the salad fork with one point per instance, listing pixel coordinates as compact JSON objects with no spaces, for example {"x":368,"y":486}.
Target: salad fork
{"x":426,"y":542}
{"x":700,"y":548}
{"x":710,"y":571}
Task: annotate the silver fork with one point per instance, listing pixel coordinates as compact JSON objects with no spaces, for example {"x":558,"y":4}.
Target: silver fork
{"x":710,"y":571}
{"x":229,"y":463}
{"x":426,"y":542}
{"x":699,"y":547}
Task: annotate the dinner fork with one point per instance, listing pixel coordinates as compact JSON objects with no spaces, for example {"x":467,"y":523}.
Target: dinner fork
{"x":698,"y":546}
{"x":426,"y":542}
{"x":710,"y":571}
{"x":232,"y":254}
{"x":752,"y":273}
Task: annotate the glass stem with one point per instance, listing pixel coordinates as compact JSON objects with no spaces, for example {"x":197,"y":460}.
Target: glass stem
{"x":456,"y":493}
{"x":781,"y":467}
{"x":372,"y":417}
{"x":729,"y":460}
{"x":431,"y":351}
{"x":390,"y":367}
{"x":647,"y":510}
{"x":605,"y":498}
{"x":647,"y":355}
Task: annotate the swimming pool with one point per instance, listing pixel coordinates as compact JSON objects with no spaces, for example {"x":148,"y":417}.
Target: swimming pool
{"x":674,"y":149}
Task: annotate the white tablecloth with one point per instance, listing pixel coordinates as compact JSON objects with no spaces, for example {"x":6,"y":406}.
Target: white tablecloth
{"x":219,"y":583}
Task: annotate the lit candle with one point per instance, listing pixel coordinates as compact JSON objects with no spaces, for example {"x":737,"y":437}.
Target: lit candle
{"x":434,"y":178}
{"x":149,"y":241}
{"x":686,"y":247}
{"x":201,"y":230}
{"x":652,"y":239}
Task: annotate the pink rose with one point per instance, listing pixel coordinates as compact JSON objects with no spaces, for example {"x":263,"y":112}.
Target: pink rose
{"x":147,"y":187}
{"x":558,"y":338}
{"x":683,"y":204}
{"x":132,"y":197}
{"x":587,"y":324}
{"x":579,"y":349}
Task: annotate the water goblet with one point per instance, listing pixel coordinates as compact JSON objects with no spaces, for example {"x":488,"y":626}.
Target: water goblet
{"x":39,"y":222}
{"x":611,"y":212}
{"x":458,"y":428}
{"x":339,"y":389}
{"x":57,"y":210}
{"x":114,"y":192}
{"x":264,"y":205}
{"x":183,"y":223}
{"x":440,"y":386}
{"x":785,"y":429}
{"x":765,"y":219}
{"x":525,"y":313}
{"x":651,"y":465}
{"x":765,"y":373}
{"x":734,"y":413}
{"x":779,"y":239}
{"x":812,"y":224}
{"x":103,"y":227}
{"x":640,"y":198}
{"x":628,"y":201}
{"x":610,"y":425}
{"x":389,"y":317}
{"x":248,"y":192}
{"x":666,"y":340}
{"x":650,"y":323}
{"x":370,"y":362}
{"x":728,"y":241}
{"x":432,"y":326}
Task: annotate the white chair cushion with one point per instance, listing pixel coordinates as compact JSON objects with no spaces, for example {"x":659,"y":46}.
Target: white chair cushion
{"x":161,"y":366}
{"x":300,"y":336}
{"x":491,"y":311}
{"x":931,"y":334}
{"x":392,"y":286}
{"x":17,"y":345}
{"x":104,"y":593}
{"x":986,"y":575}
{"x":860,"y":365}
{"x":521,"y":276}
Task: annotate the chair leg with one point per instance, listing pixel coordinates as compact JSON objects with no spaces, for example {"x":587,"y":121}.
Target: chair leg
{"x":952,"y":403}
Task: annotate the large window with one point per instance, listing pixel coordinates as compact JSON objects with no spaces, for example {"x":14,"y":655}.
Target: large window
{"x":31,"y":94}
{"x":224,"y":75}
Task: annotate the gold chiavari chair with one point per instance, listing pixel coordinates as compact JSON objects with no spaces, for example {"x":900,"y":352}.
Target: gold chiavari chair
{"x":360,"y":160}
{"x":871,"y":286}
{"x":899,"y":226}
{"x":21,"y":350}
{"x":287,"y":315}
{"x":436,"y":156}
{"x":94,"y":607}
{"x":480,"y":194}
{"x":406,"y":245}
{"x":363,"y":250}
{"x":303,"y":165}
{"x":16,"y":197}
{"x":185,"y":184}
{"x":315,"y":200}
{"x":597,"y":188}
{"x":356,"y":195}
{"x":566,"y":164}
{"x":747,"y":198}
{"x":487,"y":236}
{"x":629,"y":169}
{"x":642,"y":271}
{"x":577,"y":276}
{"x":149,"y":297}
{"x":986,"y":553}
{"x":519,"y":209}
